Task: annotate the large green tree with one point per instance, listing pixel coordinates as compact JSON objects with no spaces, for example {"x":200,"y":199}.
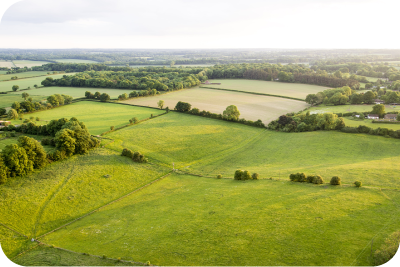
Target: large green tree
{"x":34,"y":151}
{"x":17,"y":161}
{"x":15,"y":87}
{"x":12,"y":114}
{"x":378,"y":109}
{"x":231,"y":113}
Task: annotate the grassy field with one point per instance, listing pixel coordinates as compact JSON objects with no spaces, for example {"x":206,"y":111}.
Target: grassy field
{"x":73,"y":60}
{"x":347,"y":108}
{"x":6,"y":100}
{"x":372,"y":79}
{"x":98,"y":117}
{"x":276,"y":88}
{"x":29,"y":63}
{"x":354,"y":123}
{"x":251,"y":107}
{"x":28,"y":82}
{"x":22,"y":75}
{"x":75,"y":92}
{"x":2,"y":72}
{"x":47,"y":256}
{"x":183,"y":220}
{"x":14,"y":140}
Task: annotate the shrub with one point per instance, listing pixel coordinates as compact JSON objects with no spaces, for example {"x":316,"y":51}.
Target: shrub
{"x":112,"y":128}
{"x":37,"y":119}
{"x":104,"y":257}
{"x":318,"y":180}
{"x":238,"y":175}
{"x":135,"y":120}
{"x":358,"y":183}
{"x":298,"y":177}
{"x":388,"y":249}
{"x":13,"y":134}
{"x":127,"y":153}
{"x":255,"y":176}
{"x":310,"y":178}
{"x":219,"y":176}
{"x":31,"y":118}
{"x":138,"y":157}
{"x":131,"y":121}
{"x":335,"y":180}
{"x":45,"y":141}
{"x":246,"y":175}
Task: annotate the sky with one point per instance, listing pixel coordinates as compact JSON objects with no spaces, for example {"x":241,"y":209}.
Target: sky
{"x":200,"y":24}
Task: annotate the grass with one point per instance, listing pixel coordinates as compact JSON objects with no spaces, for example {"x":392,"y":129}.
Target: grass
{"x":28,"y":82}
{"x":75,"y":92}
{"x":47,"y":256}
{"x":372,"y":79}
{"x":63,"y":191}
{"x":349,"y":121}
{"x":14,"y":140}
{"x":29,"y":63}
{"x":6,"y":100}
{"x":97,"y":116}
{"x":251,"y":107}
{"x":22,"y":75}
{"x":2,"y":72}
{"x":74,"y":60}
{"x":348,"y":108}
{"x":267,"y":87}
{"x":183,"y":220}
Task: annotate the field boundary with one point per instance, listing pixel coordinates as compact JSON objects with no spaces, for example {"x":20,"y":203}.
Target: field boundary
{"x":9,"y":228}
{"x":252,"y":93}
{"x":116,"y":200}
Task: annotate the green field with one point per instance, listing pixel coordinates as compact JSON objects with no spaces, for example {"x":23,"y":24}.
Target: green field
{"x":295,"y":90}
{"x":6,"y":86}
{"x":22,"y":75}
{"x":29,"y":63}
{"x":73,"y":60}
{"x":6,"y":100}
{"x":251,"y":107}
{"x":98,"y":117}
{"x":75,"y":92}
{"x":184,"y":220}
{"x":2,"y":72}
{"x":14,"y":140}
{"x":354,"y":123}
{"x":372,"y":79}
{"x":347,"y":108}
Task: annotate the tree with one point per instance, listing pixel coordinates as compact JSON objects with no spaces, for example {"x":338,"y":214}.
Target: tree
{"x":379,"y":109}
{"x":12,"y":114}
{"x":183,"y":106}
{"x":246,"y":175}
{"x":34,"y":151}
{"x":369,"y":97}
{"x":65,"y":140}
{"x":97,"y":95}
{"x":104,"y":97}
{"x":356,"y":98}
{"x":36,"y":86}
{"x":3,"y":111}
{"x":15,"y":87}
{"x":53,"y":101}
{"x":392,"y":97}
{"x":25,"y":95}
{"x":238,"y":175}
{"x":135,"y":120}
{"x":231,"y":113}
{"x":3,"y":171}
{"x":16,"y":159}
{"x":311,"y":99}
{"x":160,"y":104}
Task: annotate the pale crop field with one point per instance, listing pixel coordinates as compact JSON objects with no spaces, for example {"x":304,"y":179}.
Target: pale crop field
{"x":98,"y":117}
{"x":295,"y":90}
{"x":6,"y":86}
{"x":185,"y":221}
{"x":29,"y":63}
{"x":251,"y":107}
{"x":75,"y":92}
{"x":6,"y":64}
{"x":73,"y":60}
{"x":22,"y":75}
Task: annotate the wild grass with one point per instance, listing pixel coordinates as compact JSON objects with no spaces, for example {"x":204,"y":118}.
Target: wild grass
{"x":98,"y":117}
{"x":267,"y":87}
{"x":28,"y":82}
{"x":12,"y":243}
{"x":22,"y":75}
{"x":251,"y":107}
{"x":189,"y":221}
{"x":63,"y":191}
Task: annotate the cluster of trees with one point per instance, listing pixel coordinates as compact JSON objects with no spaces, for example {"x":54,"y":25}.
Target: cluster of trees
{"x":149,"y":92}
{"x":340,"y":96}
{"x":231,"y":113}
{"x":245,"y":175}
{"x":307,"y":122}
{"x":367,"y":130}
{"x":21,"y":158}
{"x":135,"y":156}
{"x":302,"y":178}
{"x":102,"y":97}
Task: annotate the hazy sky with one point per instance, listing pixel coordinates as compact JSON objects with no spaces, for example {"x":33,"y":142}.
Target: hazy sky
{"x":201,"y":24}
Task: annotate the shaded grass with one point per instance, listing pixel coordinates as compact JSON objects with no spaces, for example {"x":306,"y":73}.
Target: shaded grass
{"x":354,"y":123}
{"x":14,"y":140}
{"x":295,"y":90}
{"x":28,"y":82}
{"x":13,"y":243}
{"x":97,"y":116}
{"x":183,"y":139}
{"x":65,"y":190}
{"x":8,"y":99}
{"x":190,"y":221}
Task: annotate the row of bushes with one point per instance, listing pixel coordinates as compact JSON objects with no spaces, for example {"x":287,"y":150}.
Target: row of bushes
{"x":135,"y":156}
{"x":390,"y":122}
{"x":349,"y":114}
{"x":243,"y":175}
{"x":134,"y":94}
{"x":316,"y":179}
{"x":368,"y":130}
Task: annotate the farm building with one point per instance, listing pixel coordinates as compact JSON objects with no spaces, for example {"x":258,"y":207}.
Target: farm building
{"x":391,"y":117}
{"x":373,"y":116}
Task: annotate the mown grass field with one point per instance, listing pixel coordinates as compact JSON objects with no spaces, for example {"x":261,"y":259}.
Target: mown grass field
{"x":251,"y":107}
{"x":22,"y":75}
{"x":6,"y":100}
{"x":98,"y":117}
{"x":75,"y":92}
{"x":47,"y":256}
{"x":354,"y":123}
{"x":183,"y":220}
{"x":29,"y":63}
{"x":347,"y":108}
{"x":267,"y":87}
{"x":74,"y":60}
{"x":28,"y":82}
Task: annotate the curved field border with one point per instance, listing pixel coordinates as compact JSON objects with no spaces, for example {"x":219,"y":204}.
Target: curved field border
{"x":253,"y":93}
